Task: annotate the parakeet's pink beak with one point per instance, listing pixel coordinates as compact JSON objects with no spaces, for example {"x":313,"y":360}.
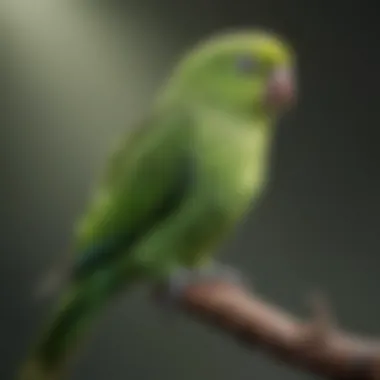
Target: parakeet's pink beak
{"x":281,"y":89}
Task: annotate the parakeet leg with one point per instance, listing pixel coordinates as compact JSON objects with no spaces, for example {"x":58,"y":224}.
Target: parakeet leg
{"x":177,"y":282}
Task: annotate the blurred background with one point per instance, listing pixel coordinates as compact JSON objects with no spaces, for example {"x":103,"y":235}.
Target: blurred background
{"x":75,"y":74}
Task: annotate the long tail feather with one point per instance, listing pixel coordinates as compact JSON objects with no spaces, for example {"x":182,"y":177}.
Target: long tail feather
{"x":74,"y":316}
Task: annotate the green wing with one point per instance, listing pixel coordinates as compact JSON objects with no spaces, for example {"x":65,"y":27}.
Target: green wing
{"x":145,"y":181}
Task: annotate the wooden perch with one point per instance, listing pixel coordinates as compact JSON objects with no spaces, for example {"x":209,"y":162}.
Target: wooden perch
{"x":317,"y":346}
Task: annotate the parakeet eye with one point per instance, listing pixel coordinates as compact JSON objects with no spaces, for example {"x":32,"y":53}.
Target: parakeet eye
{"x":246,"y":64}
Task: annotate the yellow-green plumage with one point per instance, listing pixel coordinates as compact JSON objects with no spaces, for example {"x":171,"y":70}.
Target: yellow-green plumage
{"x":175,"y":188}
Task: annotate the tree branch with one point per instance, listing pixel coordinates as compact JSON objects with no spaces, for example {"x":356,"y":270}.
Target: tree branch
{"x":317,"y":346}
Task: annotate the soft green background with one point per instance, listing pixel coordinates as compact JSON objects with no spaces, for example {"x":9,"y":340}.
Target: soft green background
{"x":75,"y":74}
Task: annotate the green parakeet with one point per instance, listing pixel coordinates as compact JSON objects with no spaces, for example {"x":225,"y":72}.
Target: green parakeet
{"x":176,"y":186}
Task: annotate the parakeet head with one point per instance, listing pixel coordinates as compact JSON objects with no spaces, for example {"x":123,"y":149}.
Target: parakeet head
{"x":250,"y":72}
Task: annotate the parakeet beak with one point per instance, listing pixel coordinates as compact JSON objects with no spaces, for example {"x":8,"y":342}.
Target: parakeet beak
{"x":281,"y":89}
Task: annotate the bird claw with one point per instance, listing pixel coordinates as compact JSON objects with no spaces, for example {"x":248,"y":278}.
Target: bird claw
{"x":183,"y":278}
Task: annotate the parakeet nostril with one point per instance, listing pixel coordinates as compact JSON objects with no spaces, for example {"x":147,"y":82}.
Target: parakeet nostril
{"x":281,"y":91}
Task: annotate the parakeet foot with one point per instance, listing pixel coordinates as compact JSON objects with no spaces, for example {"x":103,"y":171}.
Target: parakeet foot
{"x":174,"y":288}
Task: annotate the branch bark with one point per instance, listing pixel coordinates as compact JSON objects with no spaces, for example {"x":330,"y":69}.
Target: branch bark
{"x":317,"y":346}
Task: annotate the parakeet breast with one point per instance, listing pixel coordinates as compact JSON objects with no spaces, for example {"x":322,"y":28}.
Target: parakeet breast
{"x":235,"y":158}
